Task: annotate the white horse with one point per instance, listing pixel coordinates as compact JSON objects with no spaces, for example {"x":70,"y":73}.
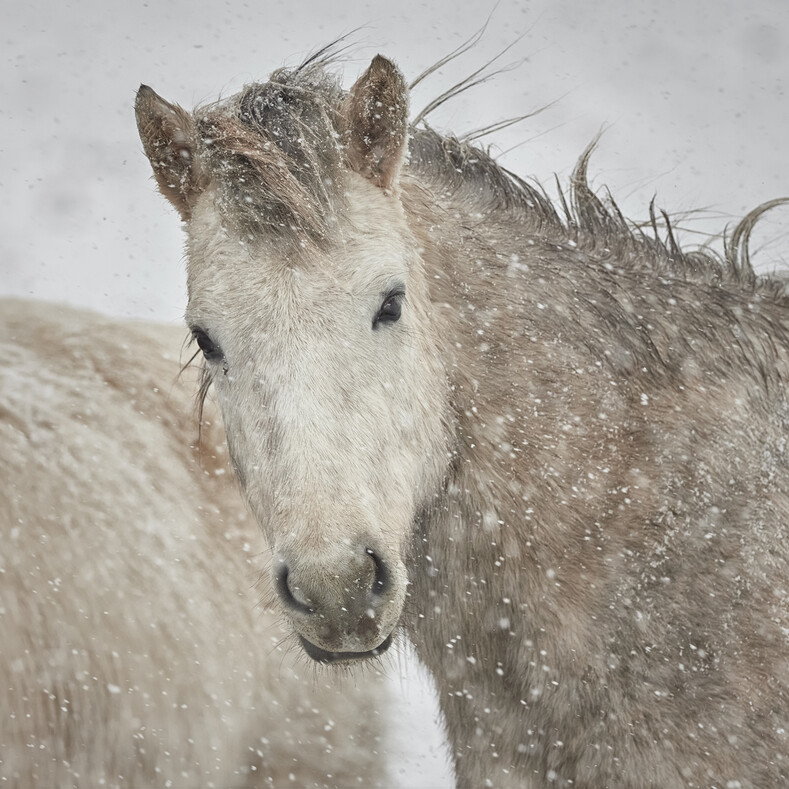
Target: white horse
{"x":133,"y":649}
{"x":551,"y":447}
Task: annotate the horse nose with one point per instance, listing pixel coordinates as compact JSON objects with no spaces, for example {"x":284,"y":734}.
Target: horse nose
{"x":340,"y":606}
{"x":383,"y":578}
{"x":301,"y":593}
{"x":290,"y":594}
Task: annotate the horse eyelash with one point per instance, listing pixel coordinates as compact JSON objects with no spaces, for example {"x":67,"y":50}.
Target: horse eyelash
{"x":206,"y":379}
{"x":398,"y":291}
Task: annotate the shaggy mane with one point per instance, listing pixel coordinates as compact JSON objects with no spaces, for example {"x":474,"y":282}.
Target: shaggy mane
{"x":470,"y":176}
{"x":276,"y":151}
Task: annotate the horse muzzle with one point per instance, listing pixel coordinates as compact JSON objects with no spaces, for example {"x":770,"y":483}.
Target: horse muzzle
{"x":345,"y":607}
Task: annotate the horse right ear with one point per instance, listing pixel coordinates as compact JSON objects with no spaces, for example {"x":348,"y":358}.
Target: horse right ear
{"x":376,"y":123}
{"x":168,"y":137}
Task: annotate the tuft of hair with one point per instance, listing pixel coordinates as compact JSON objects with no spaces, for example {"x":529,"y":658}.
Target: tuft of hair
{"x":274,"y":153}
{"x":465,"y":173}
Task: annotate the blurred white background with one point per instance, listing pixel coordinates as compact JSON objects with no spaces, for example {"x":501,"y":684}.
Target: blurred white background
{"x":692,"y":95}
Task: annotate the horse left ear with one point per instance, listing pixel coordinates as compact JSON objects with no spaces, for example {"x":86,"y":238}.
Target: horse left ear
{"x":168,"y":137}
{"x":376,"y":123}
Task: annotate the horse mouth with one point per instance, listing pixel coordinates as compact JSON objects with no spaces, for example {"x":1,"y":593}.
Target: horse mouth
{"x":323,"y":656}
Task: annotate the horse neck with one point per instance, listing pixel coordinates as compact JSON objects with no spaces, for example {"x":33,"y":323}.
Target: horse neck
{"x":565,"y":373}
{"x":492,"y":279}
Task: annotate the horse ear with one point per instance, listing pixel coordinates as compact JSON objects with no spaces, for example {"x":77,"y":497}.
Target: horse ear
{"x":168,"y":137}
{"x":376,"y":118}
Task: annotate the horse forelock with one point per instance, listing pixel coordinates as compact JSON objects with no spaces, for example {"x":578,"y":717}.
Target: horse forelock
{"x":273,"y":152}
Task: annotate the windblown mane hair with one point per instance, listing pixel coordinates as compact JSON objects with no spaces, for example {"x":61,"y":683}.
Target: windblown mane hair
{"x":463,"y":172}
{"x":276,"y":151}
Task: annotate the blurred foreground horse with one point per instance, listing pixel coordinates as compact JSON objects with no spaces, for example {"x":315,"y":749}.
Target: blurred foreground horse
{"x":133,"y":652}
{"x":549,"y":446}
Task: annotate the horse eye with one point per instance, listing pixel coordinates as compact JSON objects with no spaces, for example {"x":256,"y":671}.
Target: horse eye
{"x":390,"y":309}
{"x":210,"y":349}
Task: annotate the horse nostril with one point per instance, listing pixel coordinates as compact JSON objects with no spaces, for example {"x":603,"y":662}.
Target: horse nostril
{"x":382,"y":580}
{"x":284,"y":591}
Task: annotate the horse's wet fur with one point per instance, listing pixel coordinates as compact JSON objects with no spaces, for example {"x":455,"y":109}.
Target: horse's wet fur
{"x":574,"y":441}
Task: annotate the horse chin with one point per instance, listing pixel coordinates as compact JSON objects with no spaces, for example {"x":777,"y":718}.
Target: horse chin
{"x":320,"y":655}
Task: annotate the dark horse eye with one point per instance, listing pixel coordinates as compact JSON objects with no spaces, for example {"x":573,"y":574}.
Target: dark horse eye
{"x":391,"y":308}
{"x":210,"y":350}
